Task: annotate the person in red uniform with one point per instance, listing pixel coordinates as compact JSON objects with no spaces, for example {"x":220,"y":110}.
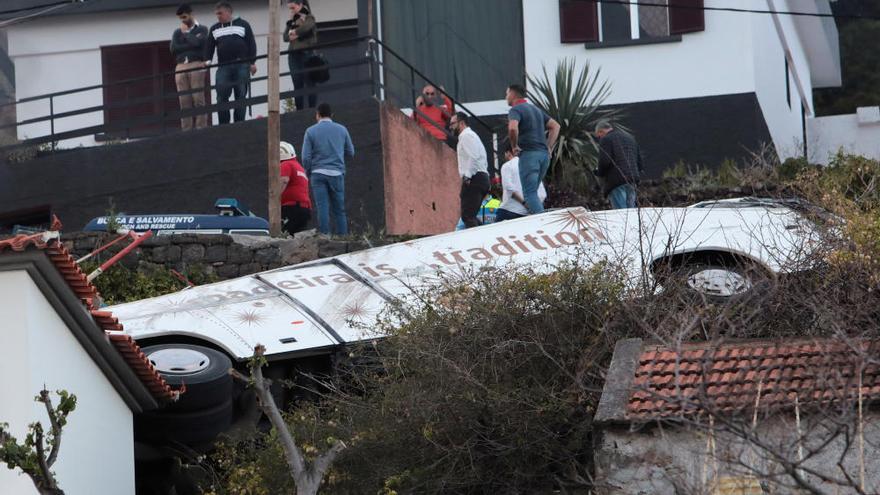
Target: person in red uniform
{"x":433,"y":108}
{"x":296,"y":207}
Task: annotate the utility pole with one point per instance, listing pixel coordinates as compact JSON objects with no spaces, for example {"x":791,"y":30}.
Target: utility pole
{"x":274,"y":121}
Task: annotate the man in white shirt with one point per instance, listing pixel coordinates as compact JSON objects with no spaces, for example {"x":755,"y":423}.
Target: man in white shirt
{"x":472,"y":167}
{"x":513,"y":203}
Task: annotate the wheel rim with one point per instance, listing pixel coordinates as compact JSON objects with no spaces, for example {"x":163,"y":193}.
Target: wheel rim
{"x":179,"y":361}
{"x":719,"y":282}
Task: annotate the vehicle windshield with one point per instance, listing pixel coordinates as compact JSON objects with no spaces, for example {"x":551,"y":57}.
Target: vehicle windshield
{"x":808,"y":210}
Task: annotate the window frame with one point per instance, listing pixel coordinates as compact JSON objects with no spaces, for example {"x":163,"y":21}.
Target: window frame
{"x":634,"y":26}
{"x":683,"y":17}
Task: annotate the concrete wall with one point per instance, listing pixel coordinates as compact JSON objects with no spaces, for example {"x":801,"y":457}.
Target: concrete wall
{"x":671,"y":459}
{"x":697,"y":131}
{"x":179,"y":173}
{"x":37,"y":350}
{"x":70,"y":57}
{"x":421,"y":178}
{"x":857,"y":133}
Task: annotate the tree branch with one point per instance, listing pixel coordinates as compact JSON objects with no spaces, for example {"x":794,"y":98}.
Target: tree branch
{"x":307,"y":478}
{"x":56,"y":427}
{"x":293,"y":455}
{"x":323,"y":462}
{"x":43,"y":479}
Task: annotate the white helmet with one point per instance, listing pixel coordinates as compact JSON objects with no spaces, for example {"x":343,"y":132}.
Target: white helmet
{"x":287,"y":151}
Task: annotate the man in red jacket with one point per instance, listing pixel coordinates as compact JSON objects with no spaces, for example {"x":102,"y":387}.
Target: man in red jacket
{"x":433,"y":111}
{"x":296,"y":207}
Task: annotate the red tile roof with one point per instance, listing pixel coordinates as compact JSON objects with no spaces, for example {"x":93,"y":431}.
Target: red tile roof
{"x":88,"y":294}
{"x":727,"y":377}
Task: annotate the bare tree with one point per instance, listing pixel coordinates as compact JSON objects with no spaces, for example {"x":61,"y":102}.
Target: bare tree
{"x":307,"y":476}
{"x":39,"y":451}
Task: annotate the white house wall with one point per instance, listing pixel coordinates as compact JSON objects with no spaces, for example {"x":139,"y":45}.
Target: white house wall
{"x":784,"y":122}
{"x":714,"y":62}
{"x":737,"y":53}
{"x":37,"y":350}
{"x":847,"y":133}
{"x":64,"y":52}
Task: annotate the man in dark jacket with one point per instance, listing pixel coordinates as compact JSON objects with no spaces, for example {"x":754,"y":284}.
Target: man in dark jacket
{"x":188,"y":48}
{"x":620,"y":165}
{"x":234,"y":41}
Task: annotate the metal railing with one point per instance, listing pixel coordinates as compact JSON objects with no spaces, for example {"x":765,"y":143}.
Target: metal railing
{"x":374,"y":54}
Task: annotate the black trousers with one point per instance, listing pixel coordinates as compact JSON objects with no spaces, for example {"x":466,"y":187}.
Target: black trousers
{"x":295,"y":218}
{"x":473,"y":191}
{"x":501,"y":215}
{"x":296,"y":61}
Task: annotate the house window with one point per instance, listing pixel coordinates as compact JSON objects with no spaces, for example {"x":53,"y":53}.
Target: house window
{"x":653,"y":20}
{"x":616,"y":21}
{"x":595,"y":21}
{"x":137,"y":89}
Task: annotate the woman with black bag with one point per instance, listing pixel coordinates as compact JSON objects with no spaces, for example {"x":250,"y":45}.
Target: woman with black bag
{"x":301,"y":33}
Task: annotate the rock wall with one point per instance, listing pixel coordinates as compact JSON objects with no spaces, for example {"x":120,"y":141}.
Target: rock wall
{"x":222,"y":255}
{"x":676,"y":458}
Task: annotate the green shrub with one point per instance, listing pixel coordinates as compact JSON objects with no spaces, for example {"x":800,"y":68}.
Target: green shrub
{"x":484,"y":388}
{"x":678,"y":171}
{"x":119,"y":284}
{"x":490,"y":384}
{"x":792,"y":167}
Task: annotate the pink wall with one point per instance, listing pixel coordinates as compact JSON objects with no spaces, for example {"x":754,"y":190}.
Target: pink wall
{"x":421,"y":178}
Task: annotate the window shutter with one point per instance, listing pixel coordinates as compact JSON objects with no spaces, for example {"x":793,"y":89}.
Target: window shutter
{"x":578,"y":21}
{"x":688,"y":18}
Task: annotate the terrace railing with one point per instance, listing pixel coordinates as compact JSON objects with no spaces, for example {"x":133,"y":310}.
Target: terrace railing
{"x":373,"y":59}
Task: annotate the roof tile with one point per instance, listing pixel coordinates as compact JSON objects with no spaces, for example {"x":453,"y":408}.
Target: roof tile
{"x":668,"y":382}
{"x":88,"y":294}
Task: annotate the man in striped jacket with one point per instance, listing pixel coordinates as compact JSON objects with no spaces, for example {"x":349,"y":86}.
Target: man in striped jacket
{"x":236,"y":48}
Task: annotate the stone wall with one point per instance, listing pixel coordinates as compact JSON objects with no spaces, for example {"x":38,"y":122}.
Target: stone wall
{"x":224,"y":256}
{"x":675,"y":458}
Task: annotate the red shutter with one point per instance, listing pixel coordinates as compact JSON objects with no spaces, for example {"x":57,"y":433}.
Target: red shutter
{"x":578,"y":21}
{"x":687,"y":18}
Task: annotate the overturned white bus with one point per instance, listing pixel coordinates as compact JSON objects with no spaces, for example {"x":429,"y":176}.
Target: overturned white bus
{"x":316,"y":308}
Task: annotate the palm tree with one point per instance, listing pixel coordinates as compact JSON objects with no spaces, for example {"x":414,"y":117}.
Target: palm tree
{"x":574,"y":98}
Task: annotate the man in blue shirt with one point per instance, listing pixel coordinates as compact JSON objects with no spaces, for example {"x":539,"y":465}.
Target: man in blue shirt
{"x":526,"y":126}
{"x":325,"y":146}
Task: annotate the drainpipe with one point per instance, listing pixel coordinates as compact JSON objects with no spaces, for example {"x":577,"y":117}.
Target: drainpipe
{"x":804,"y":131}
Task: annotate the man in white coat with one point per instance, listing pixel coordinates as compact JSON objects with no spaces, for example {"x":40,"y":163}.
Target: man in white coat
{"x":513,"y":204}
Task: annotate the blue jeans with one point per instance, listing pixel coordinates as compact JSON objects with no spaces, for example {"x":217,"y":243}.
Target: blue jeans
{"x":296,"y":61}
{"x":533,"y":167}
{"x":231,"y":78}
{"x":329,"y":193}
{"x":623,"y":196}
